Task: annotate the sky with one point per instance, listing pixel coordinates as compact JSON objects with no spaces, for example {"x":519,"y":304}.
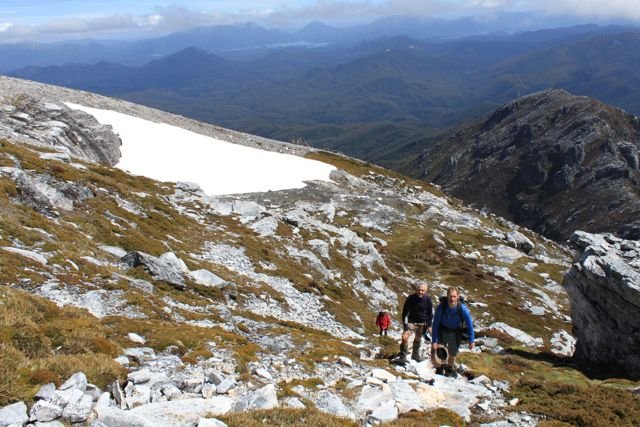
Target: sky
{"x":54,"y":20}
{"x":218,"y":167}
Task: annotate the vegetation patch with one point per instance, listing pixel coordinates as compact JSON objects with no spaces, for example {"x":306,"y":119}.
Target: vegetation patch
{"x":589,"y":404}
{"x":285,"y":417}
{"x":435,"y":418}
{"x":42,"y":343}
{"x":551,"y":387}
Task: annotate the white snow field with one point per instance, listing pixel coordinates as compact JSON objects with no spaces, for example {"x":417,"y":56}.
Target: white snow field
{"x":169,"y":153}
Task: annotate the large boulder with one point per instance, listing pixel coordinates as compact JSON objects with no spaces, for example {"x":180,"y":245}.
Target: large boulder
{"x":167,"y":267}
{"x":604,"y":287}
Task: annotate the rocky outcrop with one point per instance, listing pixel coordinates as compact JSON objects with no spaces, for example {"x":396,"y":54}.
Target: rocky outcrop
{"x":44,"y":193}
{"x":550,"y":161}
{"x":49,"y":124}
{"x":604,"y":288}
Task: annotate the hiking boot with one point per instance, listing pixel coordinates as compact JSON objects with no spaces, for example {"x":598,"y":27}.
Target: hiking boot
{"x":440,"y":371}
{"x":417,"y":358}
{"x":458,"y":368}
{"x":449,"y":372}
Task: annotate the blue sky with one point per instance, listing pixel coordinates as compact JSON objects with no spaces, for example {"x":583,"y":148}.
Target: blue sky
{"x":56,"y":20}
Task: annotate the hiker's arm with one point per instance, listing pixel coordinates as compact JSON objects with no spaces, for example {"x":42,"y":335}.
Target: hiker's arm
{"x":405,"y":312}
{"x":469,"y":323}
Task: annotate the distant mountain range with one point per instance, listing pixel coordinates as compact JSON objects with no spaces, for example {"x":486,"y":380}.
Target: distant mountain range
{"x":391,"y":101}
{"x":369,"y":99}
{"x":250,"y":40}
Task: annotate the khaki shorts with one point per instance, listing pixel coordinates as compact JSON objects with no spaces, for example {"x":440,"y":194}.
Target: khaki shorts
{"x":418,"y":328}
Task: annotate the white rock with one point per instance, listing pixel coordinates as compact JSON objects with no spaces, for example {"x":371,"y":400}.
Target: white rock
{"x":173,"y":260}
{"x":139,"y":354}
{"x":482,"y":379}
{"x":136,"y":338}
{"x":164,"y":414}
{"x":457,"y":395}
{"x":374,"y":381}
{"x":14,"y":414}
{"x":44,"y":411}
{"x":384,"y":413}
{"x":137,"y":395}
{"x":118,"y":395}
{"x":139,"y":377}
{"x":210,"y":422}
{"x":171,"y":391}
{"x":505,"y":254}
{"x":332,"y":404}
{"x":261,"y":372}
{"x":484,"y":406}
{"x":80,"y":410}
{"x":264,"y":398}
{"x":371,"y":398}
{"x":226,"y":385}
{"x":113,"y":250}
{"x":122,"y":360}
{"x":563,"y":344}
{"x":206,"y":278}
{"x":293,"y":402}
{"x":383,"y":375}
{"x":345,"y":361}
{"x":63,"y":398}
{"x":215,"y":377}
{"x":34,"y":256}
{"x":54,"y":423}
{"x":354,"y":383}
{"x":406,"y":398}
{"x":266,"y":226}
{"x":192,"y":385}
{"x":517,"y":334}
{"x":208,"y":390}
{"x":45,"y":392}
{"x":104,"y":401}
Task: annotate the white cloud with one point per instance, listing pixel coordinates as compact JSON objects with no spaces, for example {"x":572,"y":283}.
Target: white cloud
{"x":165,"y":19}
{"x":489,"y":4}
{"x":616,"y":9}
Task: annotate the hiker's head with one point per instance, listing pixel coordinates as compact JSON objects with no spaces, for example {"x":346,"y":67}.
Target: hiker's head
{"x":421,"y":289}
{"x":452,"y":296}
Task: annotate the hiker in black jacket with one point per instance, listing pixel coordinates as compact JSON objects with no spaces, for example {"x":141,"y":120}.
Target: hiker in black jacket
{"x":417,"y":314}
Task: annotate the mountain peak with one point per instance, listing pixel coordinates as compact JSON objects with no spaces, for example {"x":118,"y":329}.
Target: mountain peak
{"x":541,"y":150}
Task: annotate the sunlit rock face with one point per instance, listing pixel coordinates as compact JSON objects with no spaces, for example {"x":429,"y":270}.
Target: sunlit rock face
{"x":551,"y":161}
{"x":604,"y":287}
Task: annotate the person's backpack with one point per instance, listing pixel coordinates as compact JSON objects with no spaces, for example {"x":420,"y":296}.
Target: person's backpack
{"x":463,"y":333}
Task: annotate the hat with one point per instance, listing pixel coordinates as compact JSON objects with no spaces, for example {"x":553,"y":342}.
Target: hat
{"x":442,"y":355}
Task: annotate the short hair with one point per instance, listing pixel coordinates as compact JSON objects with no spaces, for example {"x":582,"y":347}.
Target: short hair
{"x":422,"y":284}
{"x":451,"y":290}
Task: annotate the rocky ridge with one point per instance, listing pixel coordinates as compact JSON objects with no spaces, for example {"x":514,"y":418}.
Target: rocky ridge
{"x":604,"y":286}
{"x":228,"y":304}
{"x":550,"y":161}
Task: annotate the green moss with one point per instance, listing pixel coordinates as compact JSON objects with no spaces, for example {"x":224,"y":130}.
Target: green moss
{"x":578,"y":404}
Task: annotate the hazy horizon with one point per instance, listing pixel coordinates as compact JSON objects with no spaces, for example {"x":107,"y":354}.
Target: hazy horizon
{"x":41,"y":20}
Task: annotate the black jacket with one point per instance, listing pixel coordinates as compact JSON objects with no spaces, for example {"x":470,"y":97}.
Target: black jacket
{"x":417,"y":310}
